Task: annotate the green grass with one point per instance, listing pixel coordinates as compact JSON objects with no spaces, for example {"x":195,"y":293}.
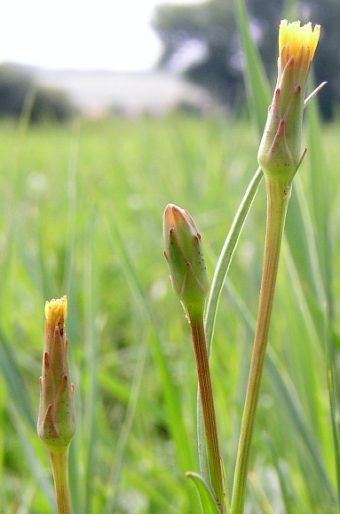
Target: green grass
{"x":82,"y":215}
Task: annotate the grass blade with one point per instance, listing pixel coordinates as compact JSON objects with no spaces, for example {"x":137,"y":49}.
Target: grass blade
{"x":15,"y":383}
{"x":226,"y":255}
{"x":258,"y":91}
{"x":320,"y":209}
{"x":208,"y":504}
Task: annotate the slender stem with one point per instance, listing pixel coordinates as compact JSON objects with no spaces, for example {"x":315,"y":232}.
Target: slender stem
{"x":277,"y":202}
{"x":59,"y":463}
{"x":208,"y":409}
{"x":217,"y":284}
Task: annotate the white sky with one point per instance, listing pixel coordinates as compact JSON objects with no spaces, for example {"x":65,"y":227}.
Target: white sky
{"x":107,"y":34}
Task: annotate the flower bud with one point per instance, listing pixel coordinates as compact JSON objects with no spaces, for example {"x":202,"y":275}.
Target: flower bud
{"x":56,"y":421}
{"x":183,"y":251}
{"x":280,"y":148}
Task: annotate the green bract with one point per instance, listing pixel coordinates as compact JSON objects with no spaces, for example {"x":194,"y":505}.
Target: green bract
{"x":183,"y":251}
{"x":280,"y":149}
{"x":56,"y":422}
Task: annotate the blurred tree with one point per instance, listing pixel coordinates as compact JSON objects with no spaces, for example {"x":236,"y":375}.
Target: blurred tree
{"x":16,"y":86}
{"x":52,"y":105}
{"x":201,"y":41}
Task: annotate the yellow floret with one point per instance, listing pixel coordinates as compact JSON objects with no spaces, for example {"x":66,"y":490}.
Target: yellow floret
{"x":56,"y":308}
{"x":295,"y":36}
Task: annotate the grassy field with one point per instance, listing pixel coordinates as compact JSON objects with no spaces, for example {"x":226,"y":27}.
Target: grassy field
{"x":82,"y":215}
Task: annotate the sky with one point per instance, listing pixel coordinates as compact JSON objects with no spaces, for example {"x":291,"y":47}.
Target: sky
{"x":80,"y":34}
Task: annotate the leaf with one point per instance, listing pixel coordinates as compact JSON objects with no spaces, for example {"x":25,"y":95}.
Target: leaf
{"x":208,"y":503}
{"x":258,"y":92}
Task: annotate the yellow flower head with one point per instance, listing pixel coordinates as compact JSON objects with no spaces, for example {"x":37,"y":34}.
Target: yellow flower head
{"x":56,"y":310}
{"x":280,"y":149}
{"x":292,"y":36}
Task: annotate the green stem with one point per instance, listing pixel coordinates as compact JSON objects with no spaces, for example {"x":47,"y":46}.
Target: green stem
{"x":208,"y":409}
{"x":59,"y":463}
{"x":278,"y":195}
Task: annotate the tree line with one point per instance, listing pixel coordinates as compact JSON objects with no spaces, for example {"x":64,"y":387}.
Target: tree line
{"x":203,"y":40}
{"x":18,"y":91}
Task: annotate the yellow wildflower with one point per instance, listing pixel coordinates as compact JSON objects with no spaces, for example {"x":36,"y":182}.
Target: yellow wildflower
{"x":293,"y":37}
{"x":56,"y":422}
{"x":280,"y":149}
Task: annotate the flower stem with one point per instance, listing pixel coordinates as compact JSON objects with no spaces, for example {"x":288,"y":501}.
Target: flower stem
{"x":278,"y":194}
{"x":208,"y":409}
{"x":59,"y":463}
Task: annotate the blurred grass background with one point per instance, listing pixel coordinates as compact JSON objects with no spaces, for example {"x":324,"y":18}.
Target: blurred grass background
{"x":82,"y":208}
{"x":82,"y":215}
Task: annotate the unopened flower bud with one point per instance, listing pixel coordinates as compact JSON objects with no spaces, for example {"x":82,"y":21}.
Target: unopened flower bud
{"x":280,"y":148}
{"x":56,"y":421}
{"x":183,"y":251}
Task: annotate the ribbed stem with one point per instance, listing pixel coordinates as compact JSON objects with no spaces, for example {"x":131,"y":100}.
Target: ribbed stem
{"x":59,"y":463}
{"x":277,"y":201}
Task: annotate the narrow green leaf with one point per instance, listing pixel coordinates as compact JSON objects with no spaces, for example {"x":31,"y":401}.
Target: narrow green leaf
{"x":319,"y":187}
{"x":227,"y":253}
{"x":91,"y":359}
{"x":17,"y":391}
{"x":258,"y":91}
{"x":208,"y":503}
{"x":218,"y":280}
{"x":319,"y":199}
